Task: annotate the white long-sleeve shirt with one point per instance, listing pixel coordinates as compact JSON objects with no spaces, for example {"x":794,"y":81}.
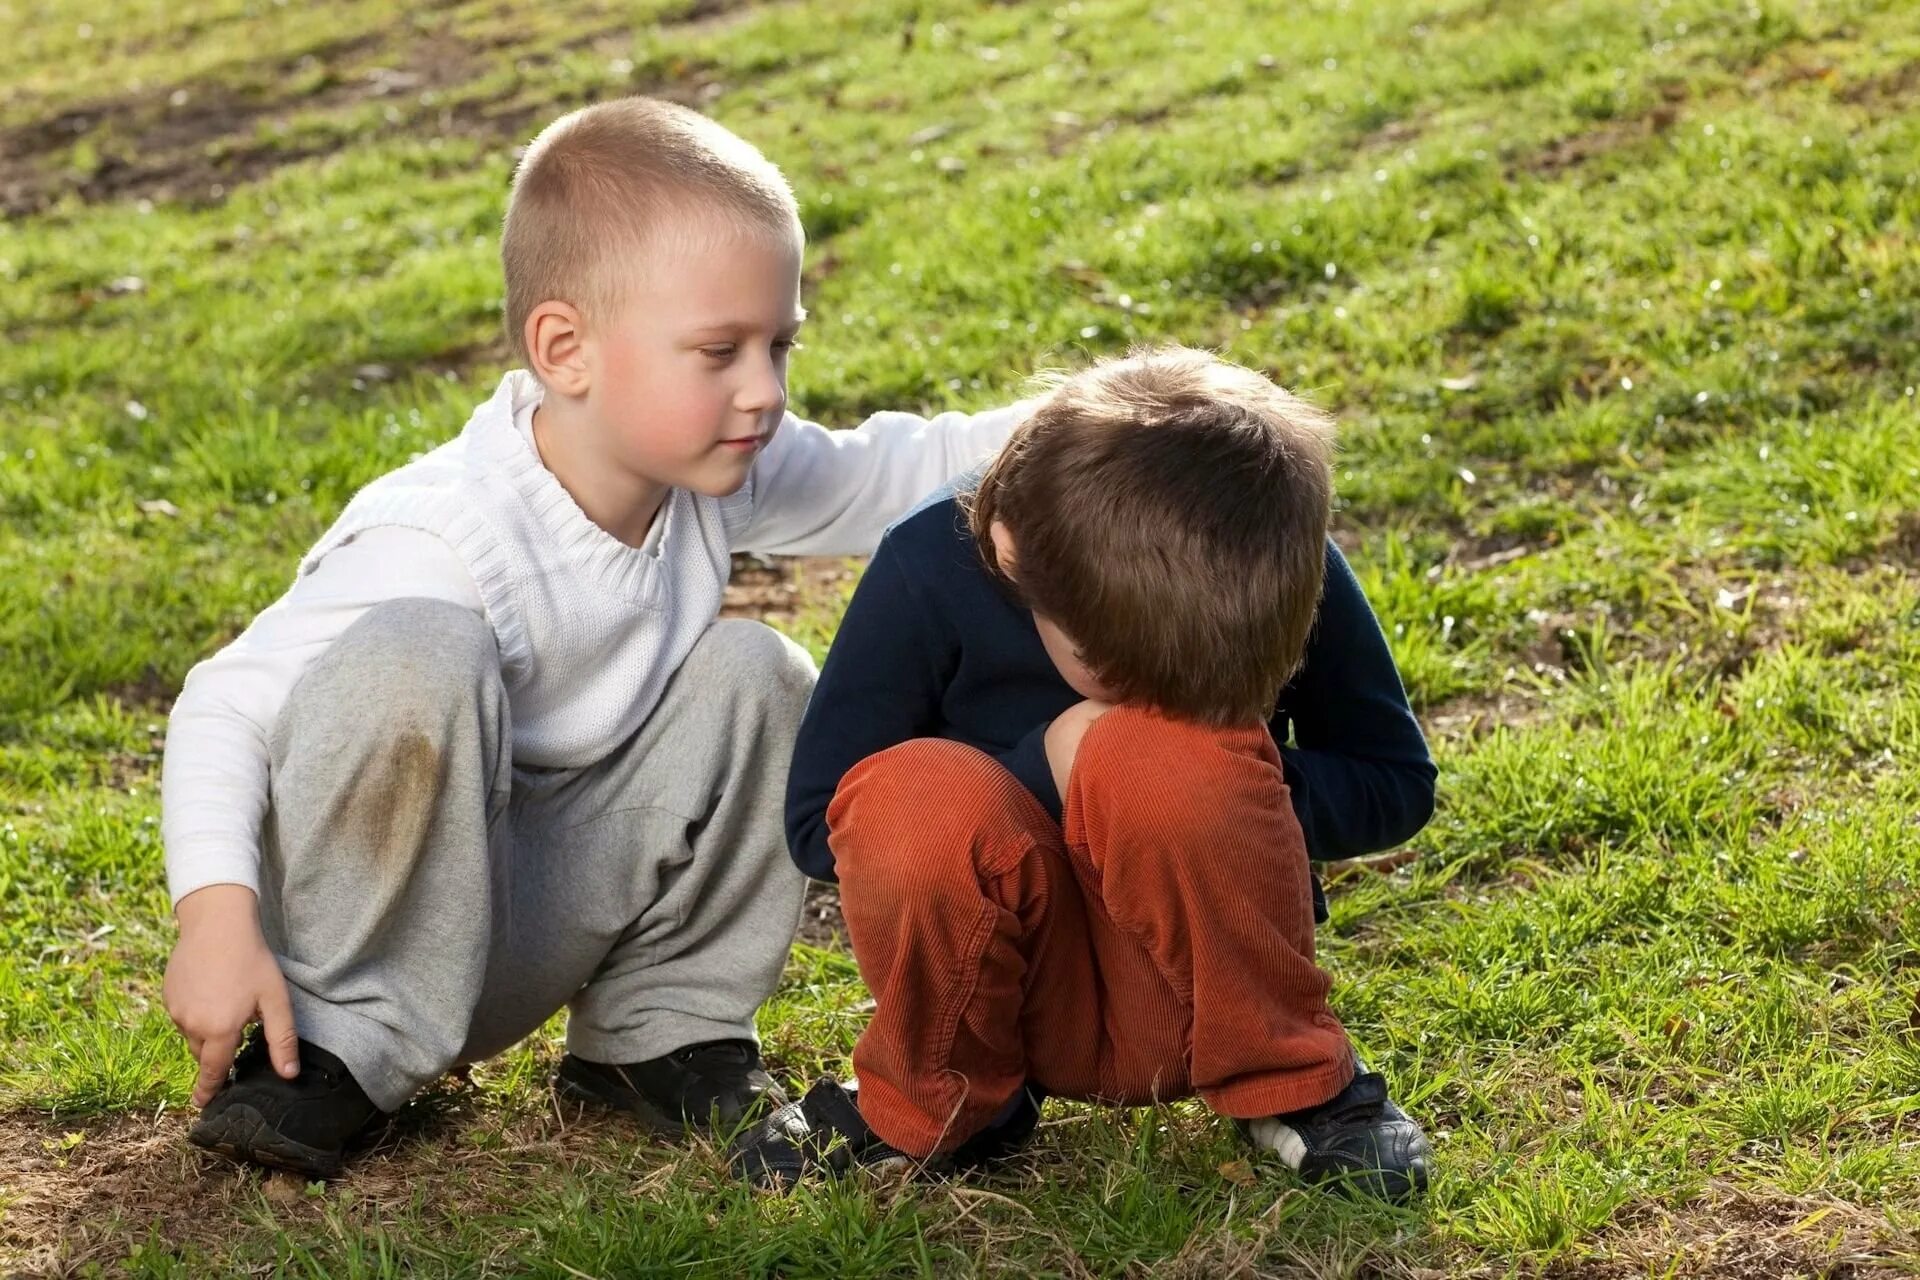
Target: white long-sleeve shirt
{"x":589,"y":628}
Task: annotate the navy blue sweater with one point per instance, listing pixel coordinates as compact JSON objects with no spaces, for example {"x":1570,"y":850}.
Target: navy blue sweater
{"x":931,"y":647}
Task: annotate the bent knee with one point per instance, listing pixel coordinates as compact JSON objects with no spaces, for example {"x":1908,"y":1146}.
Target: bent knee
{"x":405,"y":670}
{"x":925,"y":808}
{"x":754,"y":660}
{"x":913,"y":783}
{"x":1170,"y":782}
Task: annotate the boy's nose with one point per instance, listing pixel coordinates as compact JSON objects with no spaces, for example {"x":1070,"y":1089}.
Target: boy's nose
{"x":764,"y":393}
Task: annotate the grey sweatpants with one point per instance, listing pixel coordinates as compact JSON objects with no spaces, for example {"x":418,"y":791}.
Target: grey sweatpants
{"x":430,"y":904}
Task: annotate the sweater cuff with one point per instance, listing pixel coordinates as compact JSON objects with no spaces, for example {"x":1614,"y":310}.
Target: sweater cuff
{"x":1027,"y":761}
{"x":223,"y":866}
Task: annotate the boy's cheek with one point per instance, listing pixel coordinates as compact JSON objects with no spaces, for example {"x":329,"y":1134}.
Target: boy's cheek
{"x":1067,"y":662}
{"x":1082,"y":682}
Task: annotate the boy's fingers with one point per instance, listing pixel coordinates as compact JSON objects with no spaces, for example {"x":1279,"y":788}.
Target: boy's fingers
{"x":276,"y":1021}
{"x":216,"y":1055}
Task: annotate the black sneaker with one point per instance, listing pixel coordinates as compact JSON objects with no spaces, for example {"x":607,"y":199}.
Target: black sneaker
{"x":302,"y":1125}
{"x":824,"y":1131}
{"x":1009,"y":1131}
{"x":1358,"y":1140}
{"x":716,"y":1084}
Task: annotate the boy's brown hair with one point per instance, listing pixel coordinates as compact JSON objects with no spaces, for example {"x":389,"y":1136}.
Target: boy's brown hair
{"x":1169,"y":514}
{"x":601,"y":185}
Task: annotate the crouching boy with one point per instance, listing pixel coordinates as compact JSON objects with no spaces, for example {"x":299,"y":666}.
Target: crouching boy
{"x":494,"y":754}
{"x":1043,"y":763}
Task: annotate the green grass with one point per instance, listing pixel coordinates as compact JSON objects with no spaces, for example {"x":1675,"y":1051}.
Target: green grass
{"x":1616,"y":304}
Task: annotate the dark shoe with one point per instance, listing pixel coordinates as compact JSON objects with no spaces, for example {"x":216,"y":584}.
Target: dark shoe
{"x":1358,"y":1140}
{"x":302,"y":1125}
{"x":717,"y":1084}
{"x":1009,"y":1131}
{"x":825,"y":1131}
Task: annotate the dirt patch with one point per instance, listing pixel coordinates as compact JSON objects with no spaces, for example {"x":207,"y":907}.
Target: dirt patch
{"x":86,"y":1192}
{"x":127,"y":772}
{"x":454,"y":363}
{"x":821,"y":924}
{"x":1728,"y":1234}
{"x":458,"y":362}
{"x":1069,"y":129}
{"x":1580,"y":148}
{"x":1896,"y":88}
{"x":195,"y":142}
{"x":1471,"y":717}
{"x":149,"y":692}
{"x":1904,"y":546}
{"x":1394,"y":133}
{"x":780,"y":588}
{"x":176,"y":113}
{"x":80,"y":1192}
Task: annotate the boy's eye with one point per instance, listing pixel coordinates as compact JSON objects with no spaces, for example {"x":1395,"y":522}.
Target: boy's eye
{"x":717,"y":353}
{"x":784,"y":345}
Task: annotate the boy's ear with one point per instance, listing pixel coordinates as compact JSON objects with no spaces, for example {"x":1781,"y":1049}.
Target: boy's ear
{"x":556,"y":348}
{"x":1004,"y":552}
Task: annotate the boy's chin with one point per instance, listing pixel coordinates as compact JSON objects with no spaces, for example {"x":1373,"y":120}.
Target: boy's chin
{"x":718,"y":487}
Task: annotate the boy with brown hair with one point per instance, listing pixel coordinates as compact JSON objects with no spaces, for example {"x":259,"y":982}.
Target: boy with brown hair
{"x":493,"y":754}
{"x":1044,"y":763}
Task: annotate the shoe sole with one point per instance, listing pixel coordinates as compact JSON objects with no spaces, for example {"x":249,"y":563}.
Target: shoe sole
{"x":241,"y":1133}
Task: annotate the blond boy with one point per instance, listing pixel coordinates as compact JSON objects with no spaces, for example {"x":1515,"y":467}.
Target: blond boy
{"x":492,"y":754}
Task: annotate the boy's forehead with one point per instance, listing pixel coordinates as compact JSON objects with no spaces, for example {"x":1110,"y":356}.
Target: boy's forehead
{"x":722,"y":280}
{"x":687,"y":238}
{"x":716,"y":321}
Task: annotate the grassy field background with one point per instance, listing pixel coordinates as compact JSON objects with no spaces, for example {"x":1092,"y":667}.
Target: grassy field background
{"x":1616,"y":303}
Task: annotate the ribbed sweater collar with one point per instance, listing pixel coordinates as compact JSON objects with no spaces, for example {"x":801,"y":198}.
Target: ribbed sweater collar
{"x":634,"y":573}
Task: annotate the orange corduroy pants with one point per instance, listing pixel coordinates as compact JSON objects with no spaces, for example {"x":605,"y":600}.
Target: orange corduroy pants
{"x":1155,"y":944}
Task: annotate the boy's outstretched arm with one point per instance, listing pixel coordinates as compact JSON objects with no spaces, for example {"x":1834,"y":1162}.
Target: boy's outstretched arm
{"x":1361,"y":776}
{"x":880,"y":686}
{"x":821,"y":492}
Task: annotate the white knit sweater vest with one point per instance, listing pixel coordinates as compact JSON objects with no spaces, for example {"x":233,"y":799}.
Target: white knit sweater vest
{"x":589,"y":629}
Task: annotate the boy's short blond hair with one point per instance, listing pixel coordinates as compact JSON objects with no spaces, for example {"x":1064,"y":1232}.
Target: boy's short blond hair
{"x":601,"y":185}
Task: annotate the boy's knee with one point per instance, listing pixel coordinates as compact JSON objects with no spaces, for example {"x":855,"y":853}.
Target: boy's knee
{"x":926,"y":811}
{"x":408,"y":668}
{"x":753,"y":659}
{"x":891,"y":785}
{"x":1168,"y":783}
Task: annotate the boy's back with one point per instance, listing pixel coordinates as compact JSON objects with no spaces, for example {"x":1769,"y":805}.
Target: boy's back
{"x":932,"y":646}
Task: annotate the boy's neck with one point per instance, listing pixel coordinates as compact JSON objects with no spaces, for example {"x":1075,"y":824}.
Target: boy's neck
{"x":620,"y":502}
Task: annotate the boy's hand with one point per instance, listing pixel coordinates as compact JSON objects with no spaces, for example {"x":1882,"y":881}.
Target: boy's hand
{"x":1063,"y":739}
{"x":222,"y":977}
